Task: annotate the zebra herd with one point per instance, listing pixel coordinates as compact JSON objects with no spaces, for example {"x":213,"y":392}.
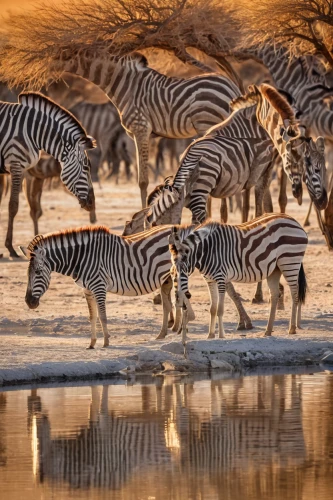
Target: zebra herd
{"x":244,"y":137}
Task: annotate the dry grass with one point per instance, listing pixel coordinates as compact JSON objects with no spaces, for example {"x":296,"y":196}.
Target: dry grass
{"x":29,"y":57}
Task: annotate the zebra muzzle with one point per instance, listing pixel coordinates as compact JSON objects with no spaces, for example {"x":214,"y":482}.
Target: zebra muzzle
{"x":88,"y":203}
{"x":31,"y":301}
{"x":322,"y":202}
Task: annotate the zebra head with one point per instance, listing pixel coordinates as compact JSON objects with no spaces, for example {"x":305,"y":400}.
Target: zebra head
{"x":39,"y":271}
{"x":75,"y":173}
{"x":183,"y":264}
{"x":293,"y":163}
{"x":66,"y":140}
{"x":315,"y":172}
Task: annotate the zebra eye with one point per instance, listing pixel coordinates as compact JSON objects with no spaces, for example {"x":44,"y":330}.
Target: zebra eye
{"x":38,"y":272}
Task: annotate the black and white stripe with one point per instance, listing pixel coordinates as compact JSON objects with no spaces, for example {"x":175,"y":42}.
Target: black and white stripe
{"x":100,"y":262}
{"x":150,"y":103}
{"x":36,"y":123}
{"x":264,"y":248}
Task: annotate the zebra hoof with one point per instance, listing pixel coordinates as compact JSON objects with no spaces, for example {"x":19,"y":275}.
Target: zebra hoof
{"x":245,"y":326}
{"x":257,"y":300}
{"x":161,"y":336}
{"x":267,"y":334}
{"x":211,"y":336}
{"x":292,"y":331}
{"x":90,"y":347}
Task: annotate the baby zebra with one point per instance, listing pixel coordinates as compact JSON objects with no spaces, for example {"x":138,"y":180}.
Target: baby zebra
{"x":100,"y":261}
{"x":266,"y":247}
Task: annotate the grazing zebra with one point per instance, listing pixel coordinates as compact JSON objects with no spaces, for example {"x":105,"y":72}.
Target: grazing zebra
{"x":239,"y":154}
{"x":100,"y":261}
{"x":266,"y":247}
{"x":153,"y":104}
{"x":47,"y":168}
{"x":36,"y":123}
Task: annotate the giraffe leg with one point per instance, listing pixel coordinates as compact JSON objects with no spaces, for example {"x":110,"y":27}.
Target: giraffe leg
{"x":283,"y":200}
{"x":307,"y":217}
{"x":16,"y":177}
{"x":273,"y":283}
{"x":92,"y":307}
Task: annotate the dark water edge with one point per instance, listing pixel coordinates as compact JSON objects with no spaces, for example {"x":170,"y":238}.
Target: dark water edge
{"x":149,"y":378}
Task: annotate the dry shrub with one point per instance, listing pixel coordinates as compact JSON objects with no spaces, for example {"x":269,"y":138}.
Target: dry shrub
{"x":304,"y":26}
{"x":34,"y":41}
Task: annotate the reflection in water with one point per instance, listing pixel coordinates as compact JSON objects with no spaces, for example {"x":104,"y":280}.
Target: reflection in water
{"x":242,"y":438}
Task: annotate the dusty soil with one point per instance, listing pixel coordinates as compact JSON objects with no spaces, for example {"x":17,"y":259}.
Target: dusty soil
{"x":51,"y":341}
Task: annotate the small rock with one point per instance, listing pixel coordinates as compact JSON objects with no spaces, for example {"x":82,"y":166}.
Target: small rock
{"x":221,"y":365}
{"x":328,"y":285}
{"x":174,"y":347}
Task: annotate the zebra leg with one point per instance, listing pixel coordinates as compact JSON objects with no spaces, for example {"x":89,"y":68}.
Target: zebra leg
{"x":268,"y":203}
{"x":34,"y":188}
{"x":220,"y":311}
{"x":258,"y":297}
{"x":92,"y":307}
{"x":307,"y":217}
{"x":16,"y":177}
{"x":214,"y":298}
{"x":224,"y":210}
{"x":280,"y":306}
{"x":100,"y":299}
{"x":178,"y":320}
{"x":273,"y":283}
{"x":245,"y":322}
{"x":142,"y":148}
{"x":167,"y":306}
{"x":245,"y":205}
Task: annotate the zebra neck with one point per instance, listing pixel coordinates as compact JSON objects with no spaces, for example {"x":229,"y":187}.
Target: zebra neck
{"x":286,"y":71}
{"x":114,"y":76}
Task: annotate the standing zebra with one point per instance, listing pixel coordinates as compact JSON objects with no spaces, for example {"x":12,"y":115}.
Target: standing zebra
{"x":238,"y":154}
{"x":266,"y":247}
{"x":153,"y":104}
{"x":33,"y":124}
{"x":100,"y":262}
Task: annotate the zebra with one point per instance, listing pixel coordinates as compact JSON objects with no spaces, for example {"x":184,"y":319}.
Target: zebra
{"x":37,"y":123}
{"x":266,"y":247}
{"x":103,"y":123}
{"x":47,"y":168}
{"x":153,"y":104}
{"x":239,"y":153}
{"x":100,"y":261}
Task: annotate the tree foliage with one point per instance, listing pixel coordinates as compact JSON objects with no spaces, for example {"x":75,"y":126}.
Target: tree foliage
{"x":33,"y":40}
{"x":305,"y":26}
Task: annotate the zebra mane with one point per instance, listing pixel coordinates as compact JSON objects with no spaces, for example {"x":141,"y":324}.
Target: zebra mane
{"x":84,"y":230}
{"x":278,"y":102}
{"x":44,"y":104}
{"x":162,"y":198}
{"x":37,"y":239}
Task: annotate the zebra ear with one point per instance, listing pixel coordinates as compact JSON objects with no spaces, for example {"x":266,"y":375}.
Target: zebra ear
{"x":320,"y":145}
{"x":24,"y":251}
{"x":88,"y":142}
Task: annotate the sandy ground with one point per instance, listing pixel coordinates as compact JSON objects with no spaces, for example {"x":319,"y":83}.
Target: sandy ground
{"x":50,"y":341}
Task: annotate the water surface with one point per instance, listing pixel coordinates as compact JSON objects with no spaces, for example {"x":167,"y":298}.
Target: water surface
{"x":246,"y":438}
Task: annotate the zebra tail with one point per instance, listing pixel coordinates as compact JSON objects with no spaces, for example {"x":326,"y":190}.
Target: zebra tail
{"x":302,"y":285}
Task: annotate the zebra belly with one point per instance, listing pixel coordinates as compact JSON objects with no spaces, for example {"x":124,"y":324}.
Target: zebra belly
{"x":135,"y":286}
